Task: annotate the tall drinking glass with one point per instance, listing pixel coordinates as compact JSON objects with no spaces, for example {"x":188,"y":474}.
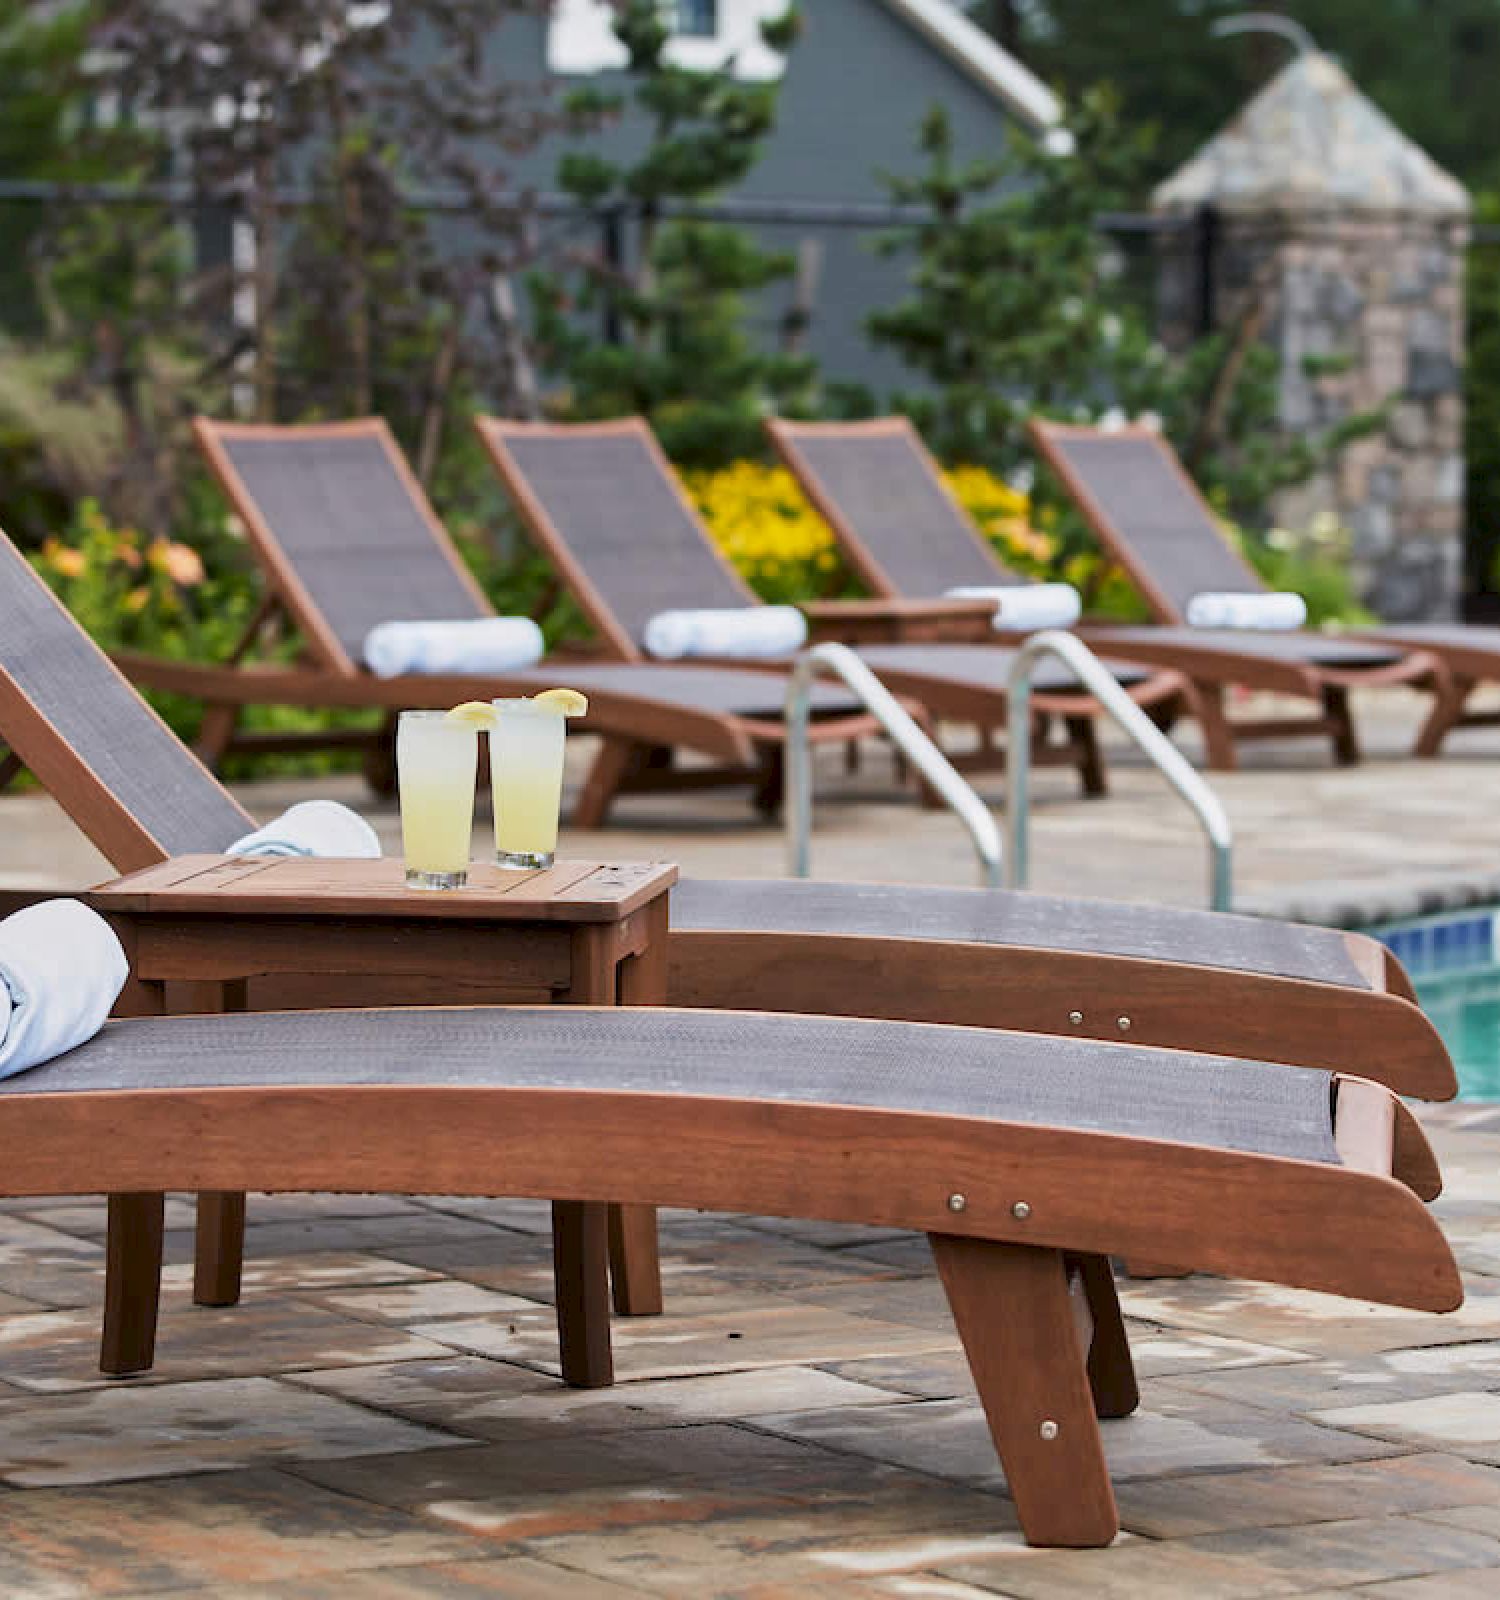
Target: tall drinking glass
{"x":526,"y":770}
{"x":436,"y":764}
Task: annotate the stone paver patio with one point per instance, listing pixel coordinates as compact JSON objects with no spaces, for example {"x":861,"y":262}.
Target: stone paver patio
{"x":380,"y":1417}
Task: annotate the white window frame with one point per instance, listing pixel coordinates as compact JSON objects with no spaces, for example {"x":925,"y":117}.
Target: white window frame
{"x":581,"y":41}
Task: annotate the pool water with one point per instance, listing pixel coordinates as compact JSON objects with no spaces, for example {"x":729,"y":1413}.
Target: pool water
{"x":1454,"y":960}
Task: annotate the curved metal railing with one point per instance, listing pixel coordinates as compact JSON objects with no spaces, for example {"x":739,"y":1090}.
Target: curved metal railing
{"x":837,"y":660}
{"x":1162,"y":753}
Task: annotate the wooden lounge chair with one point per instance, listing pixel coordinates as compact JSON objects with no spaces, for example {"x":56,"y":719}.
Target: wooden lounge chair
{"x":1150,"y":517}
{"x":1027,"y":1161}
{"x":603,"y":503}
{"x":348,"y":539}
{"x":1177,"y":979}
{"x":1470,"y":652}
{"x":1155,"y":974}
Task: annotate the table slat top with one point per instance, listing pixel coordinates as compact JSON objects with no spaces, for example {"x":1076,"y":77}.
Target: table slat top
{"x":569,"y":891}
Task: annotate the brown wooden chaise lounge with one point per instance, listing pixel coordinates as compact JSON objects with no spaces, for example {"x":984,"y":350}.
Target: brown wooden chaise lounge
{"x":347,"y":540}
{"x":1151,"y":518}
{"x":1176,"y":979}
{"x":1157,"y":975}
{"x":985,"y":957}
{"x":602,"y":501}
{"x":1027,"y":1161}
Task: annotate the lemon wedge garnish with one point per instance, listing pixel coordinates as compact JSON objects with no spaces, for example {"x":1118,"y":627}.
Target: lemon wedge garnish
{"x":566,"y":702}
{"x":473,"y":714}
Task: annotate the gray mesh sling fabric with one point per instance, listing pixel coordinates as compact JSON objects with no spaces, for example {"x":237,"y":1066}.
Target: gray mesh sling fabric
{"x":889,"y":497}
{"x":1140,"y":493}
{"x":965,"y":1072}
{"x":998,"y":917}
{"x":132,"y":752}
{"x":1301,"y":647}
{"x":979,"y":666}
{"x":729,"y":691}
{"x":347,"y":522}
{"x":620,"y":516}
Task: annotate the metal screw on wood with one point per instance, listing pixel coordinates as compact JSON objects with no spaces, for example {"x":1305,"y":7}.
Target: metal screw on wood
{"x":957,"y":1202}
{"x":1020,"y":1211}
{"x":1075,"y":1017}
{"x":1123,"y":1024}
{"x":1048,"y":1430}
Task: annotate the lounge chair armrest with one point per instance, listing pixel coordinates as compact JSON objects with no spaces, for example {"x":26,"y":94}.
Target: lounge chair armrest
{"x":893,"y":621}
{"x":1376,"y":1133}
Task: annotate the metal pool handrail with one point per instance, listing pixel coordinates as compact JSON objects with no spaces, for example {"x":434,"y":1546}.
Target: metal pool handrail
{"x":1159,"y":750}
{"x":837,"y":660}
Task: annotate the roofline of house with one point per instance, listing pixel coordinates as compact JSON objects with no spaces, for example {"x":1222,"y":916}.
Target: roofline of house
{"x":992,"y":67}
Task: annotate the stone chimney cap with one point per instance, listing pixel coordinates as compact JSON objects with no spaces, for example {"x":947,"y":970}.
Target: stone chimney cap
{"x":1310,"y":141}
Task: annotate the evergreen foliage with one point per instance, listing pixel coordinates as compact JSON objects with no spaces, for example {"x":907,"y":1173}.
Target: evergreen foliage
{"x":669,"y":337}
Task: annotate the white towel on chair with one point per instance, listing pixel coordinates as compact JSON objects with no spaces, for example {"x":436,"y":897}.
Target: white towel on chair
{"x":1028,"y":606}
{"x":1276,"y":612}
{"x":61,"y":969}
{"x":483,"y":644}
{"x":312,"y":828}
{"x":744,"y":631}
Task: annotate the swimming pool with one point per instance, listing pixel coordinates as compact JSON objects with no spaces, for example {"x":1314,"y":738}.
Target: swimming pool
{"x":1454,"y":960}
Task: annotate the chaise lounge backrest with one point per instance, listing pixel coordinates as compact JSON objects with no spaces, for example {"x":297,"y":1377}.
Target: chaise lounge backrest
{"x":606,"y":508}
{"x":1147,"y":513}
{"x":65,"y":710}
{"x":344,"y":529}
{"x":881,"y":492}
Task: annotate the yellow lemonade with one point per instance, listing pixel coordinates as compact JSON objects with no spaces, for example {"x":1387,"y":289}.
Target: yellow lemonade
{"x":436,"y":763}
{"x":526,"y":769}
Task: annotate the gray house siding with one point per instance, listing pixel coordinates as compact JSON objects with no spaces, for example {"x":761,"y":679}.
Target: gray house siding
{"x":857,"y":86}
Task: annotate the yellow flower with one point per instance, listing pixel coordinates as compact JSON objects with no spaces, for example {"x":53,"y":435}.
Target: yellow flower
{"x":180,"y":562}
{"x":64,"y":560}
{"x":135,"y":601}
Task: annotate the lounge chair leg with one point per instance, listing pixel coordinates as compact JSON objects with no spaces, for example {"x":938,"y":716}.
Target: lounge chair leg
{"x":216,"y":734}
{"x":768,"y":787}
{"x":219,"y":1248}
{"x":132,"y":1283}
{"x":580,"y":1269}
{"x":1345,"y":740}
{"x":1447,"y":712}
{"x":1014,"y":1315}
{"x":1083,"y":734}
{"x":1110,"y":1367}
{"x":1218,"y":734}
{"x":635,"y":1261}
{"x":592,"y":807}
{"x":380,"y":761}
{"x":634,"y":1250}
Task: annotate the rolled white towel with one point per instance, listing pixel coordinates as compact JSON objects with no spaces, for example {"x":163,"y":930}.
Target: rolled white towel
{"x":1275,"y":612}
{"x":746,"y":631}
{"x":1028,"y":606}
{"x":312,"y":828}
{"x":483,"y":644}
{"x":61,"y":969}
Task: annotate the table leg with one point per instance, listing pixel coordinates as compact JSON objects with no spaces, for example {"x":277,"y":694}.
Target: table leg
{"x":219,"y":1241}
{"x":581,"y":1229}
{"x":634,"y":1247}
{"x":132,"y":1283}
{"x":132,"y":1260}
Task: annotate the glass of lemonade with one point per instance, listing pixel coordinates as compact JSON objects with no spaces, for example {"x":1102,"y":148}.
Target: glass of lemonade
{"x":436,"y":764}
{"x":526,"y":771}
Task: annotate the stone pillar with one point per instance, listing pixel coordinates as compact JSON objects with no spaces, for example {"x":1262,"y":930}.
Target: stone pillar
{"x":1344,"y":243}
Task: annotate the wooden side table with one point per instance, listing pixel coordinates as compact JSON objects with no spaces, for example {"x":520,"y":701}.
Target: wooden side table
{"x":897,"y":621}
{"x":201,"y":930}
